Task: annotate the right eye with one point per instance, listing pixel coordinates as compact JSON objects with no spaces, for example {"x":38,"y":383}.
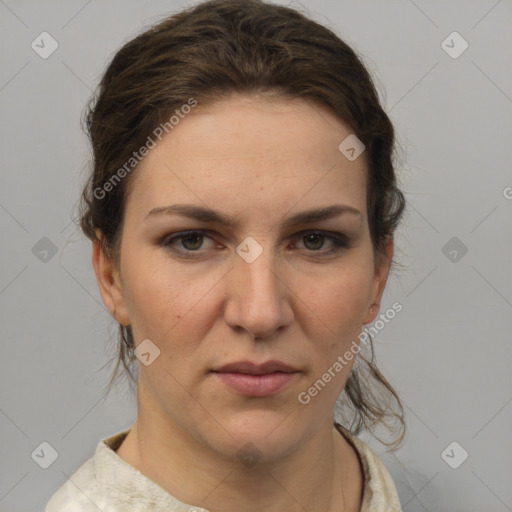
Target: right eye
{"x":190,"y":242}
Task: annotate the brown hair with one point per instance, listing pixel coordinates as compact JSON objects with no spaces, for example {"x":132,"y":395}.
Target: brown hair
{"x":207,"y":52}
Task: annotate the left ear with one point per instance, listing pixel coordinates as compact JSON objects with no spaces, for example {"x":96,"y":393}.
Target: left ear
{"x":380,"y":278}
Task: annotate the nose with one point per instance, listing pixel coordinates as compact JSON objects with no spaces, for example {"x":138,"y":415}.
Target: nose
{"x":258,"y":297}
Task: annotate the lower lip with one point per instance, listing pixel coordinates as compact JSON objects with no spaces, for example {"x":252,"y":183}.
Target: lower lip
{"x":256,"y":385}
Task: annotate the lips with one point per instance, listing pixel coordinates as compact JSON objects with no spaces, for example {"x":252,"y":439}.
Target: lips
{"x":256,"y":380}
{"x":250,"y":368}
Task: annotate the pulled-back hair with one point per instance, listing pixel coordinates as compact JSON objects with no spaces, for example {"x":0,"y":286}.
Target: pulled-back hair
{"x":207,"y":52}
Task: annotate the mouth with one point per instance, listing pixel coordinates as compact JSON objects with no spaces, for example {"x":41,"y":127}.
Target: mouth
{"x":258,"y":380}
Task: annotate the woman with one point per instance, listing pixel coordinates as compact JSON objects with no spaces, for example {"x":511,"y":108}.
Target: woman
{"x":241,"y":208}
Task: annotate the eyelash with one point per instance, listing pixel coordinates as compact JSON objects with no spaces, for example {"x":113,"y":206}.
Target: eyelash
{"x":340,"y":242}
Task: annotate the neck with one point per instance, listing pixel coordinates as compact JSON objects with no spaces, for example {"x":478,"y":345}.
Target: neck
{"x":321,"y":474}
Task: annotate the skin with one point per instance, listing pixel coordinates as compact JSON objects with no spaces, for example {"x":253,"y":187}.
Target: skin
{"x":259,"y":159}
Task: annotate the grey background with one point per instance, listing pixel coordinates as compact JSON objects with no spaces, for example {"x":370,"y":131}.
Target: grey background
{"x":448,"y":353}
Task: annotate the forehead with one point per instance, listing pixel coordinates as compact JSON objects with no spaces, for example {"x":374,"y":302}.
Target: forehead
{"x":251,"y":152}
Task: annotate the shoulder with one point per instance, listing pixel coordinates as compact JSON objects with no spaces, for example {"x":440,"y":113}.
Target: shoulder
{"x":82,"y":490}
{"x":78,"y":493}
{"x":379,"y":493}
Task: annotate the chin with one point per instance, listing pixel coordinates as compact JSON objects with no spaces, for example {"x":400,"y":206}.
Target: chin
{"x":266,"y":432}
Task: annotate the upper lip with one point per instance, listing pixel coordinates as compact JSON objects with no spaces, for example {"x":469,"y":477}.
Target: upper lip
{"x":251,"y":368}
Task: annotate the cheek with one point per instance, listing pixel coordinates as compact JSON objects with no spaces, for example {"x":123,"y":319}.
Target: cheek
{"x":340,"y":302}
{"x":164,"y":302}
{"x":168,"y":301}
{"x":336,"y":307}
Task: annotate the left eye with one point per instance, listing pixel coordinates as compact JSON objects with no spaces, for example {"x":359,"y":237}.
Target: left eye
{"x":317,"y":239}
{"x":191,"y":241}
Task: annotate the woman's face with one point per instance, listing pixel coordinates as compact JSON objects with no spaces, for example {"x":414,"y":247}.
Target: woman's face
{"x":264,"y":288}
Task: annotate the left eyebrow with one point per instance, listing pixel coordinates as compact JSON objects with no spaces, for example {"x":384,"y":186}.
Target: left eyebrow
{"x":209,"y":215}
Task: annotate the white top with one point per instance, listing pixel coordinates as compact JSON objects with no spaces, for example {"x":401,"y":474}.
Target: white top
{"x":109,"y":484}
